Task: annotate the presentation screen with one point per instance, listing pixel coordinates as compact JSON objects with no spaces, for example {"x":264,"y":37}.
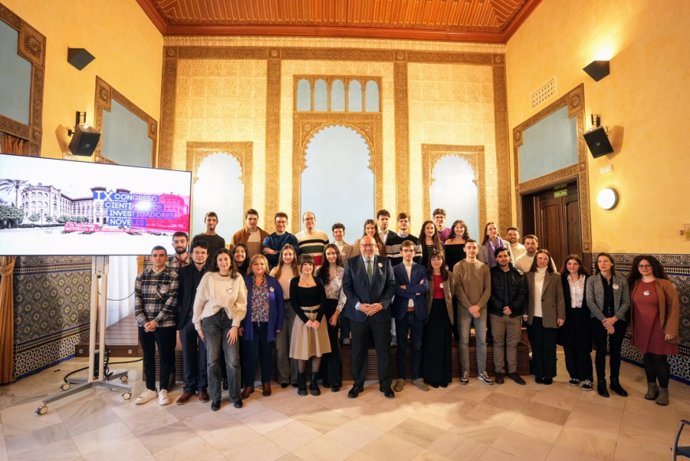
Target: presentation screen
{"x":61,"y":207}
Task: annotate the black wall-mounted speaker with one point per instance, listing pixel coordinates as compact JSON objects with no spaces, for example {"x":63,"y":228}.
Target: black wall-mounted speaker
{"x":79,"y":57}
{"x":598,"y":142}
{"x":84,"y":140}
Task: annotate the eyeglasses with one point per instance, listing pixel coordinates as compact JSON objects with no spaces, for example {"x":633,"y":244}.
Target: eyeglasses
{"x":643,"y":266}
{"x":368,"y":245}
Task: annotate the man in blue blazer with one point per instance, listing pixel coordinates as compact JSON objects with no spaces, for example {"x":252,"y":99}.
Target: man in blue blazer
{"x":369,"y":285}
{"x":410,"y":311}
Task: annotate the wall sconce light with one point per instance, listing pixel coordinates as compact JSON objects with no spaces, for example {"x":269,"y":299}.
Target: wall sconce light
{"x":597,"y":69}
{"x":84,"y":138}
{"x":79,"y":57}
{"x":607,"y":198}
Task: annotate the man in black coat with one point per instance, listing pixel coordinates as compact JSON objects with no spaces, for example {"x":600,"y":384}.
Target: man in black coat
{"x":507,"y":304}
{"x":193,"y":350}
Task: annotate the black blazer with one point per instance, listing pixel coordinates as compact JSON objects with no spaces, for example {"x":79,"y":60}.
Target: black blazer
{"x":189,"y":278}
{"x":358,"y":290}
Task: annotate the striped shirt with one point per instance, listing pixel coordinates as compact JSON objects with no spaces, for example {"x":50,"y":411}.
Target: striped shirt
{"x":312,"y":244}
{"x":155,"y":297}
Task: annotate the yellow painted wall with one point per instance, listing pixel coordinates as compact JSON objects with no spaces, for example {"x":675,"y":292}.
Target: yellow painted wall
{"x":451,"y":104}
{"x":646,"y":94}
{"x":128,"y":50}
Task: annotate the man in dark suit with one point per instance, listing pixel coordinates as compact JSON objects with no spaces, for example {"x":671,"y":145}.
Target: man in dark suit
{"x":369,"y":285}
{"x":193,"y":350}
{"x":410,"y":311}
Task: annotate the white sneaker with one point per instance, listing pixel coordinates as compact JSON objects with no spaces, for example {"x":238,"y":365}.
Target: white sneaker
{"x":145,"y":396}
{"x":465,"y":377}
{"x":483,"y":377}
{"x":163,"y":398}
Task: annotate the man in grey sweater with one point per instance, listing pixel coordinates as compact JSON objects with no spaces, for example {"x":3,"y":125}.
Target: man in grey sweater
{"x":473,"y":290}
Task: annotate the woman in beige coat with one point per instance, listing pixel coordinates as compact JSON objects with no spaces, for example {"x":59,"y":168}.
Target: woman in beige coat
{"x":546,"y":313}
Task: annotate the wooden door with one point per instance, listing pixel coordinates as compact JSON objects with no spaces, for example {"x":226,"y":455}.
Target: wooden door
{"x":555,"y":218}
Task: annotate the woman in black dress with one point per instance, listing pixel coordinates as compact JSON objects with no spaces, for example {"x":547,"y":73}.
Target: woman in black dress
{"x":430,"y":241}
{"x":309,"y":340}
{"x":437,"y":339}
{"x":455,"y":245}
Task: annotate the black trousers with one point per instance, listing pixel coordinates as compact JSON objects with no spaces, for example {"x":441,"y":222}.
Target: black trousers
{"x":261,"y":349}
{"x":543,"y":342}
{"x":164,"y":339}
{"x":615,"y":343}
{"x":193,"y":359}
{"x":332,"y":364}
{"x":578,"y":344}
{"x":379,"y":332}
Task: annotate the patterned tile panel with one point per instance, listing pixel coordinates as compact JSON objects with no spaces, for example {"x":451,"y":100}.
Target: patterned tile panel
{"x":51,"y":303}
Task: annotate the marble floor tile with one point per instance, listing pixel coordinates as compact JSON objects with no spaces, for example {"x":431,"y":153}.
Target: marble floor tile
{"x":546,"y":413}
{"x":18,"y":442}
{"x":416,"y":432}
{"x":450,"y":444}
{"x":126,"y":449}
{"x":163,"y":437}
{"x":537,"y":428}
{"x":595,"y":445}
{"x":522,"y":446}
{"x":266,"y":421}
{"x":561,"y":453}
{"x":260,"y":448}
{"x":324,"y":448}
{"x":355,"y":434}
{"x":194,"y":448}
{"x":103,"y":437}
{"x":389,"y":446}
{"x":292,"y":435}
{"x":323,"y":421}
{"x":64,"y":449}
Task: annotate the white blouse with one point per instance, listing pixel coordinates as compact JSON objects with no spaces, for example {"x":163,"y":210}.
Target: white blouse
{"x":577,"y":291}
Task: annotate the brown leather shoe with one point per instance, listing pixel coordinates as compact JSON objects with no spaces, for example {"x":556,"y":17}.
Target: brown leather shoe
{"x":267,"y":389}
{"x":203,"y":396}
{"x":246,"y":392}
{"x":184,"y":398}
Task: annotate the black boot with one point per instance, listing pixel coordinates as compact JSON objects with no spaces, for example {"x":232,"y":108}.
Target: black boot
{"x":301,"y":384}
{"x":617,"y":388}
{"x":601,"y":388}
{"x":314,"y":385}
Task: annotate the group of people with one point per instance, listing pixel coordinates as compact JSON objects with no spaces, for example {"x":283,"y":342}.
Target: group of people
{"x":304,"y":296}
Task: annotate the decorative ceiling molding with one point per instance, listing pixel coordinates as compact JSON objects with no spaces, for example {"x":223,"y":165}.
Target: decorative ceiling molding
{"x":483,"y":21}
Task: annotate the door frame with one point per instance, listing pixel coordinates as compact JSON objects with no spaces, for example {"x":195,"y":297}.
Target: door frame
{"x":574,"y":100}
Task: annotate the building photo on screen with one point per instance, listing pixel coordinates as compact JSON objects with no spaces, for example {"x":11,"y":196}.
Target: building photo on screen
{"x":59,"y":207}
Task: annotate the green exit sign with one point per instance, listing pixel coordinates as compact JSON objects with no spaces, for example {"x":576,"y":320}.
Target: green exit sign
{"x":560,"y":193}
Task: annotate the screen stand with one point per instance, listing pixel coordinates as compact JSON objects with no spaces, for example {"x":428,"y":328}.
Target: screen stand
{"x":96,"y":377}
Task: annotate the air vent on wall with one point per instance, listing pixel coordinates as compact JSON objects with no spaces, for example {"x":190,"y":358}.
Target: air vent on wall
{"x":543,"y":93}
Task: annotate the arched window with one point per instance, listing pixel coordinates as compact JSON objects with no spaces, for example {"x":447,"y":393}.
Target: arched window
{"x":454,"y":188}
{"x":338,"y":96}
{"x":321,"y":95}
{"x":303,"y":95}
{"x":372,"y":96}
{"x":220,"y":189}
{"x":337,"y":183}
{"x":354,"y":96}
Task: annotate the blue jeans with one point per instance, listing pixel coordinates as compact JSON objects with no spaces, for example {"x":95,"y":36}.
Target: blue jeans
{"x":409,"y":323}
{"x":216,"y":330}
{"x":258,"y":348}
{"x":479,"y":323}
{"x":194,"y":359}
